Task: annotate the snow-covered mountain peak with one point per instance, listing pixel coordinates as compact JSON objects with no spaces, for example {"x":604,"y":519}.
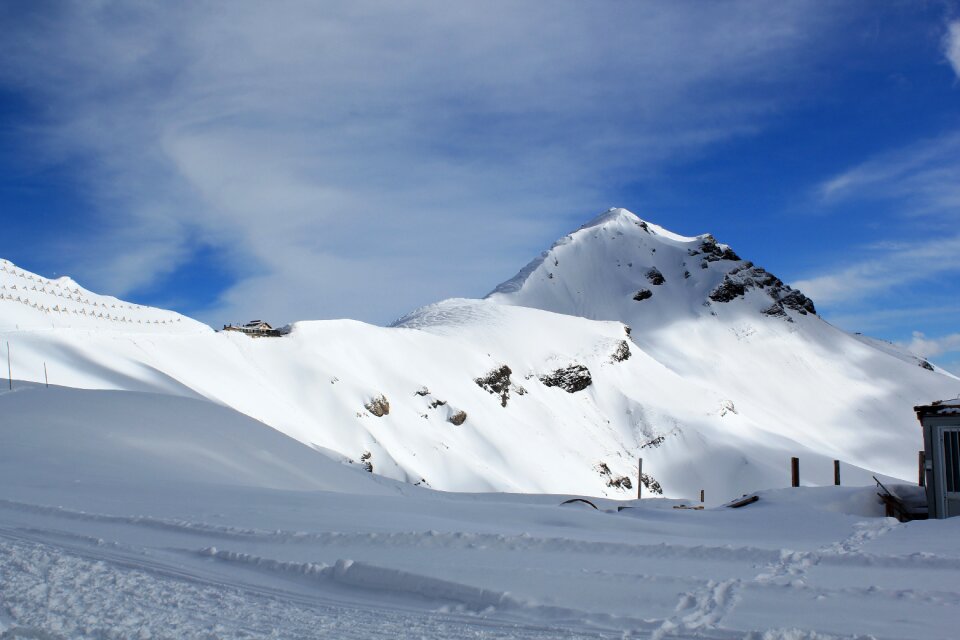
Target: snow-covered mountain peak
{"x":620,"y":267}
{"x":619,"y":218}
{"x":29,"y":301}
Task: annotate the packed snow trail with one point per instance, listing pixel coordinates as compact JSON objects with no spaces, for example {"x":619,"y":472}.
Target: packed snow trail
{"x":139,"y":580}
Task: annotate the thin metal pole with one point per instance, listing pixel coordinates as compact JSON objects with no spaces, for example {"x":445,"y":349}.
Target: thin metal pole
{"x":639,"y":477}
{"x":836,"y":472}
{"x":9,"y":368}
{"x":46,"y":379}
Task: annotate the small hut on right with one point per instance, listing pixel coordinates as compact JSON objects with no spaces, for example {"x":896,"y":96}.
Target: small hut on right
{"x":941,"y":448}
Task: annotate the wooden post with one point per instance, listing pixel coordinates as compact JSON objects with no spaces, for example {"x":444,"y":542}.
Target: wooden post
{"x":794,"y":472}
{"x":701,"y":495}
{"x":639,"y":477}
{"x":922,"y":458}
{"x":836,"y":472}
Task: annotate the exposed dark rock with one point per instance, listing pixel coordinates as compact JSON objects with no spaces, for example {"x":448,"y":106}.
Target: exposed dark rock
{"x":458,"y":418}
{"x":729,"y":254}
{"x":497,"y":382}
{"x":686,"y":274}
{"x":627,"y":329}
{"x":654,"y":443}
{"x":655,"y":277}
{"x":437,"y":403}
{"x":775,"y":311}
{"x":643,"y":225}
{"x":642,"y":294}
{"x":365,"y":461}
{"x":422,"y":391}
{"x":713,"y":251}
{"x":926,"y":365}
{"x":651,"y":484}
{"x":571,"y":379}
{"x":620,"y":482}
{"x":617,"y":482}
{"x":747,"y":276}
{"x":621,"y":353}
{"x":378,"y":406}
{"x":793,"y":299}
{"x":727,"y":290}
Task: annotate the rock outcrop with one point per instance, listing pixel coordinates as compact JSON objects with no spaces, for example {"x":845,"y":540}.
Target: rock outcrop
{"x":571,"y":379}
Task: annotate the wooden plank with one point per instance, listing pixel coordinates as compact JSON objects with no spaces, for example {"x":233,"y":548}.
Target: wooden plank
{"x":742,"y":502}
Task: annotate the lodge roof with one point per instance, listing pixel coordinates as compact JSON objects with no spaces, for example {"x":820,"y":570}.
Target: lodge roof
{"x":939,"y":408}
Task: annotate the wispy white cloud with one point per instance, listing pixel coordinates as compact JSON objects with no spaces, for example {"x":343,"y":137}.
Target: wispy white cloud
{"x":923,"y":178}
{"x":927,"y":347}
{"x":343,"y":155}
{"x":885,"y":319}
{"x":889,"y":265}
{"x":918,"y":187}
{"x":951,"y":46}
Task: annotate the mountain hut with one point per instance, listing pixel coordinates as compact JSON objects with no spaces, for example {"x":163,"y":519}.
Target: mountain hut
{"x":254,"y":328}
{"x":941,"y":448}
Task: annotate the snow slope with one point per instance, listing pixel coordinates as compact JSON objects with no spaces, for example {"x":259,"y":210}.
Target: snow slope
{"x":540,"y":387}
{"x":102,"y":440}
{"x":136,"y":515}
{"x":29,"y":302}
{"x":730,"y":326}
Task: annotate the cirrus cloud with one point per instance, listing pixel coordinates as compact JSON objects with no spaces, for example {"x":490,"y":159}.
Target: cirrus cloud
{"x":362,"y":158}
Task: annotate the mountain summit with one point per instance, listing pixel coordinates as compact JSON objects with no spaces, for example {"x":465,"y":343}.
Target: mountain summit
{"x":619,"y":267}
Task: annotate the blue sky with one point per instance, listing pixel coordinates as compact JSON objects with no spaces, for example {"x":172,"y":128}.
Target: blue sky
{"x":315,"y":160}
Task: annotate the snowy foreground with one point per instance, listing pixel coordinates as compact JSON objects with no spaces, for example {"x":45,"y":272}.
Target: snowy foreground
{"x":126,"y":514}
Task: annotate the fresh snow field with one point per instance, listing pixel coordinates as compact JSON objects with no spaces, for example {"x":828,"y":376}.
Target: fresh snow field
{"x":128,"y":514}
{"x":177,"y":482}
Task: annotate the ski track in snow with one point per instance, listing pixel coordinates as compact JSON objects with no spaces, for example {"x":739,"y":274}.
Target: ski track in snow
{"x":55,"y":595}
{"x":59,"y":584}
{"x":707,"y":607}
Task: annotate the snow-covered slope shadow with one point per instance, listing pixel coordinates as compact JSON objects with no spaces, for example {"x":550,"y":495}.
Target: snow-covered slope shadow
{"x":129,"y":446}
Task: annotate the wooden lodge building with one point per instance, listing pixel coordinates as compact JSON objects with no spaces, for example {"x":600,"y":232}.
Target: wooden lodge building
{"x":255,"y":329}
{"x":941,"y":460}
